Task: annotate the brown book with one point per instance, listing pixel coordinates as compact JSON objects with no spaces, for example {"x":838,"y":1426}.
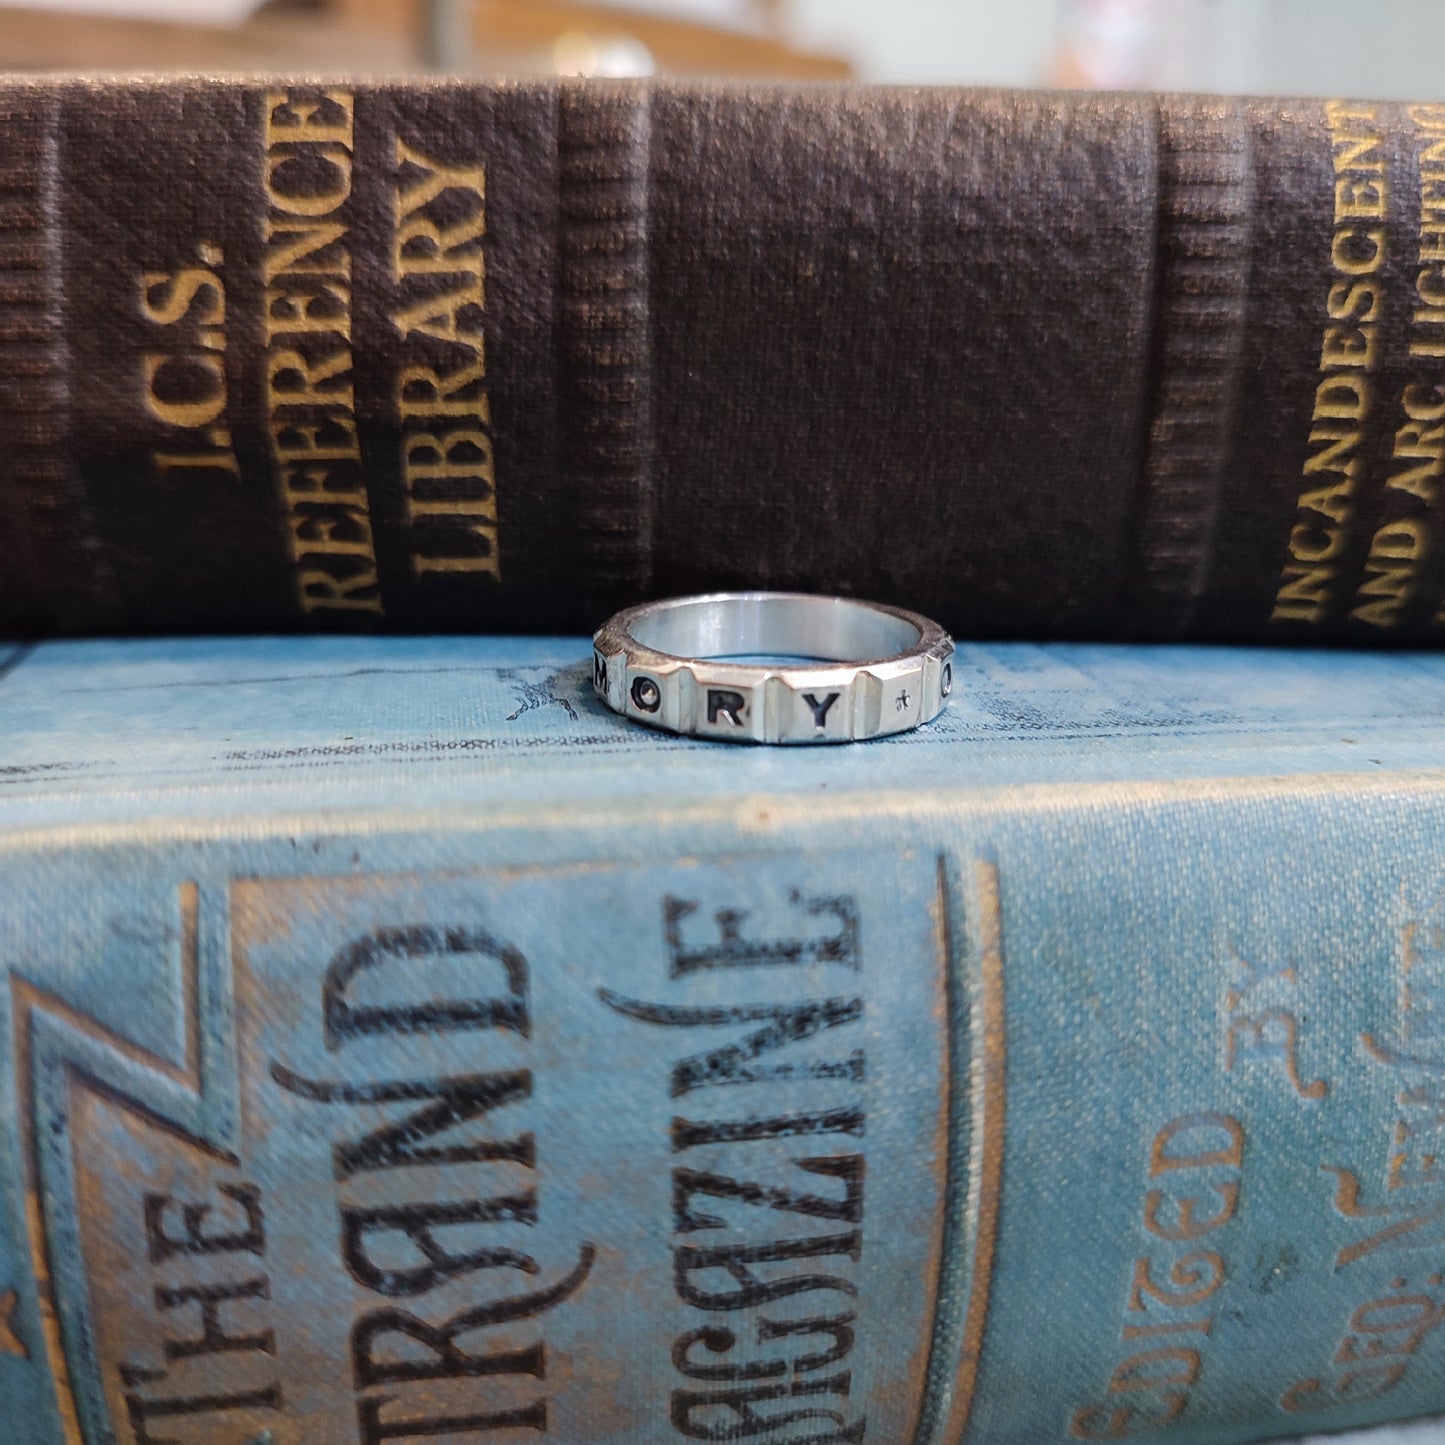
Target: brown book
{"x":460,"y":356}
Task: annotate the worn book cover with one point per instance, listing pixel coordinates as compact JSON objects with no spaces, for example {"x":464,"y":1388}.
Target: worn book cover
{"x":400,"y":1046}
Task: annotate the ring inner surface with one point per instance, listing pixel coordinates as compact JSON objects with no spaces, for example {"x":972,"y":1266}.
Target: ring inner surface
{"x":832,"y":629}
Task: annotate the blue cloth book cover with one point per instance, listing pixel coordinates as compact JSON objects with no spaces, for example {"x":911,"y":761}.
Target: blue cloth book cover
{"x":398,"y":1046}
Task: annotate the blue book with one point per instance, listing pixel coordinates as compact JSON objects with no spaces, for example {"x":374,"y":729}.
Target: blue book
{"x":400,"y":1047}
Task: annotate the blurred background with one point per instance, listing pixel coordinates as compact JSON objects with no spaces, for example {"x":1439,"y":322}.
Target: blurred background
{"x":1384,"y":49}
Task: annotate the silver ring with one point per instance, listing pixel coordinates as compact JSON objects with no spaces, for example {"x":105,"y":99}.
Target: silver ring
{"x":863,"y":670}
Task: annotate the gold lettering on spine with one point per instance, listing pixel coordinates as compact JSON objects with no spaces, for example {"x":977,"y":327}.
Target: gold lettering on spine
{"x":308,"y":170}
{"x":1196,"y":1161}
{"x":1348,"y":353}
{"x":449,"y":478}
{"x":1398,"y":1219}
{"x":184,"y":383}
{"x":1403,"y":543}
{"x":1262,"y":1022}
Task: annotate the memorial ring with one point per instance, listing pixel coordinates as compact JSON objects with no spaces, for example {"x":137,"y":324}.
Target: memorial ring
{"x":833,"y":670}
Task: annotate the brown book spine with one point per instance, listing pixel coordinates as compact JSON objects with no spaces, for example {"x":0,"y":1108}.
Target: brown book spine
{"x":455,"y":356}
{"x":1205,"y":211}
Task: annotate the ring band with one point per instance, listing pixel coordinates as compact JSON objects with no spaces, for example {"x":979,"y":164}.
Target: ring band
{"x":865,"y":670}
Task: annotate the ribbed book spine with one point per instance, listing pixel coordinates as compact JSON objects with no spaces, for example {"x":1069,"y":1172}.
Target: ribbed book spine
{"x":452,"y":356}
